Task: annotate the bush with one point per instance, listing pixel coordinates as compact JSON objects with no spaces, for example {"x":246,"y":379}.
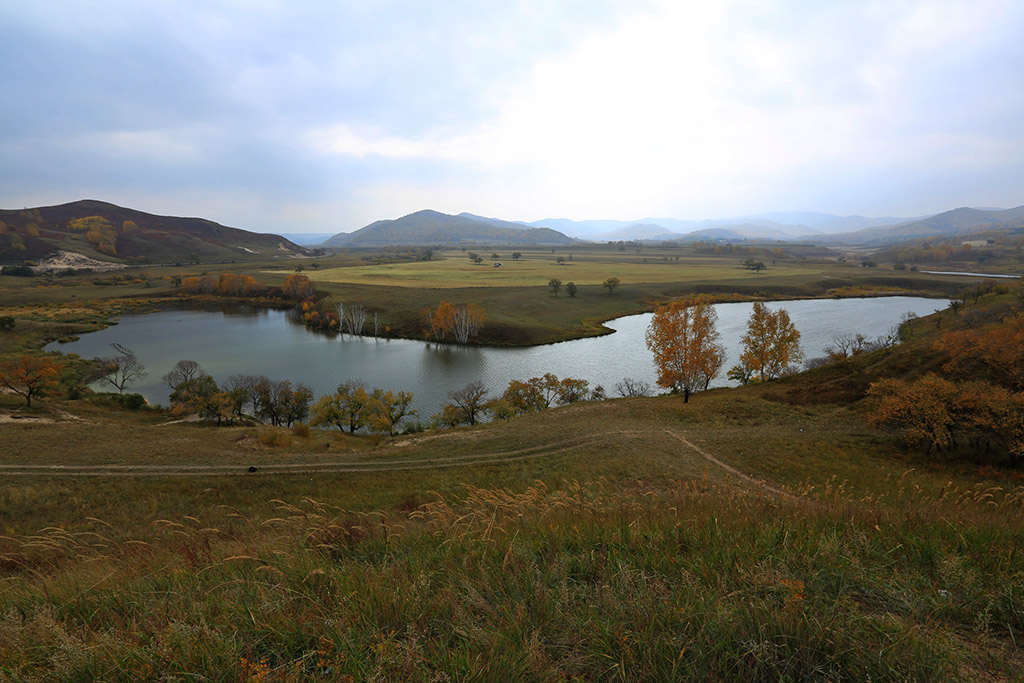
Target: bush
{"x":19,"y":271}
{"x":131,"y":401}
{"x":301,"y":430}
{"x":274,"y":438}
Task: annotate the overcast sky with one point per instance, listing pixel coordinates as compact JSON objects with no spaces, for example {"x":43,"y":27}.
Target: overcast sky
{"x":299,"y":116}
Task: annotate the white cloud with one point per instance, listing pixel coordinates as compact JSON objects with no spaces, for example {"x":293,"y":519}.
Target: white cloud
{"x":692,"y":106}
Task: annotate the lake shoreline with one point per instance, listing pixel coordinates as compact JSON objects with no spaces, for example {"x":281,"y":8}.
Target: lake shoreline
{"x":596,"y":327}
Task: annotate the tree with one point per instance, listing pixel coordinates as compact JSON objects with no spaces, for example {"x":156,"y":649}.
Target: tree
{"x":478,"y":259}
{"x":555,"y":284}
{"x":467,"y":403}
{"x":460,"y":321}
{"x":560,"y":260}
{"x":30,"y":376}
{"x":995,"y":353}
{"x":385,"y":410}
{"x":684,"y":341}
{"x":495,"y":257}
{"x":921,"y":409}
{"x":571,"y":289}
{"x":771,"y":343}
{"x":345,"y":407}
{"x":633,"y":387}
{"x":124,"y":368}
{"x":6,"y":322}
{"x":355,"y":318}
{"x":610,"y":284}
{"x":516,"y":255}
{"x":571,"y":390}
{"x":298,"y":287}
{"x":182,"y":371}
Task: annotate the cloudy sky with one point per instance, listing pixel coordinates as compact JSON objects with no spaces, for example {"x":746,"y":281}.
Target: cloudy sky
{"x":302,"y":116}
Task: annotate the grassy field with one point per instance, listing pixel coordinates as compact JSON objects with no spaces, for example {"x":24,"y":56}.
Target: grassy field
{"x":761,"y":533}
{"x":536,"y":268}
{"x":637,"y":539}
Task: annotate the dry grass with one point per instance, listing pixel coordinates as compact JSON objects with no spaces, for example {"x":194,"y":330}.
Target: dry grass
{"x":585,"y":542}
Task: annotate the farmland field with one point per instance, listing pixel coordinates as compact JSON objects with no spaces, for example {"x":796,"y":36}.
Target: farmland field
{"x":536,"y":269}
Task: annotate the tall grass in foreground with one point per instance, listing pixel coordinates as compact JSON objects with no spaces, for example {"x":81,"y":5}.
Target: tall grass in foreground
{"x":683,"y":580}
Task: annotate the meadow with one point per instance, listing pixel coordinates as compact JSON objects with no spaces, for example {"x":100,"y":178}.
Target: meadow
{"x":636,"y":539}
{"x":758,"y":533}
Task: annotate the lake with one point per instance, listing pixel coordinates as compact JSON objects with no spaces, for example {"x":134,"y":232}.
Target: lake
{"x":231,"y":340}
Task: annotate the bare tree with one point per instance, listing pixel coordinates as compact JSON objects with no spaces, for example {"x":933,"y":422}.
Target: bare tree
{"x":124,"y":368}
{"x":183,"y":371}
{"x":469,"y":401}
{"x":355,"y":318}
{"x":251,"y":385}
{"x":633,"y":387}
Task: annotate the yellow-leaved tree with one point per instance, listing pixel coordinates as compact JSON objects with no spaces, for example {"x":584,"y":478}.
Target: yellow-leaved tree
{"x":771,"y":344}
{"x":684,"y":341}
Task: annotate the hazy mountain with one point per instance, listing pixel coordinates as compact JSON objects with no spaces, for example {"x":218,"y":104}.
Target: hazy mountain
{"x":307,"y":238}
{"x":497,"y":222}
{"x":957,"y":221}
{"x":586,"y":229}
{"x":733,"y":233}
{"x":636,"y":231}
{"x":821,"y":223}
{"x":118,"y":234}
{"x":774,"y":225}
{"x":434,"y":228}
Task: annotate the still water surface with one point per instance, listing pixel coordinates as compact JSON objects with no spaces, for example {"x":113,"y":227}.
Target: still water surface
{"x":242,"y":340}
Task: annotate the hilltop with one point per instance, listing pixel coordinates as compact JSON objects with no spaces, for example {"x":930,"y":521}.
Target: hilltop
{"x":111,"y":233}
{"x":429,"y":228}
{"x":961,"y":221}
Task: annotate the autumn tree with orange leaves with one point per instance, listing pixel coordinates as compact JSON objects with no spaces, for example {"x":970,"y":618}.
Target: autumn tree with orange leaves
{"x":684,"y":341}
{"x":942,"y":415}
{"x":30,"y":376}
{"x":298,"y":287}
{"x":995,"y":353}
{"x":460,"y":321}
{"x":771,"y":344}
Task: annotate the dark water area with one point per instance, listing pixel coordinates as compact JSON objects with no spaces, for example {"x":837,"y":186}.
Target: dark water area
{"x":230,"y":340}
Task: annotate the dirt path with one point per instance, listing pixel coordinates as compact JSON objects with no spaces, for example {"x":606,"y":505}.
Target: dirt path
{"x":379,"y":464}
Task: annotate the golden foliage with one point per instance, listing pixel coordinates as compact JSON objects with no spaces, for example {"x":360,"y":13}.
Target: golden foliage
{"x":30,"y":376}
{"x":684,"y":341}
{"x":771,"y":344}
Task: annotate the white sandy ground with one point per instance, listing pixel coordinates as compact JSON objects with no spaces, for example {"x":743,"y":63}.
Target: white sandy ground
{"x":62,"y":260}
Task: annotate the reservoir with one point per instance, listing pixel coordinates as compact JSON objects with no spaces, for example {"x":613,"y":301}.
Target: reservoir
{"x":232,"y":340}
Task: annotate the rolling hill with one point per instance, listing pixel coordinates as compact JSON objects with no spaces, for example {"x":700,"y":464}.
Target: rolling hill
{"x":112,"y":233}
{"x":957,"y":221}
{"x":427,"y":228}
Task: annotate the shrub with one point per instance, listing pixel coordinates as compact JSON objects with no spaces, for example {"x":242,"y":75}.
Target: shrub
{"x":274,"y":438}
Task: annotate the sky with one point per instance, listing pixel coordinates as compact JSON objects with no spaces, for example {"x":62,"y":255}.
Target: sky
{"x":308,"y":116}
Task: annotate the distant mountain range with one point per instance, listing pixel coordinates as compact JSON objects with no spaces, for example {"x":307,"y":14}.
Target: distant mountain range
{"x":434,"y":228}
{"x":777,"y":225}
{"x":108,"y":232}
{"x":428,"y":228}
{"x":957,"y":221}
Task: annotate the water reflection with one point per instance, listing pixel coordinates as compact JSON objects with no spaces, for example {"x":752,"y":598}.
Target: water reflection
{"x":232,"y":339}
